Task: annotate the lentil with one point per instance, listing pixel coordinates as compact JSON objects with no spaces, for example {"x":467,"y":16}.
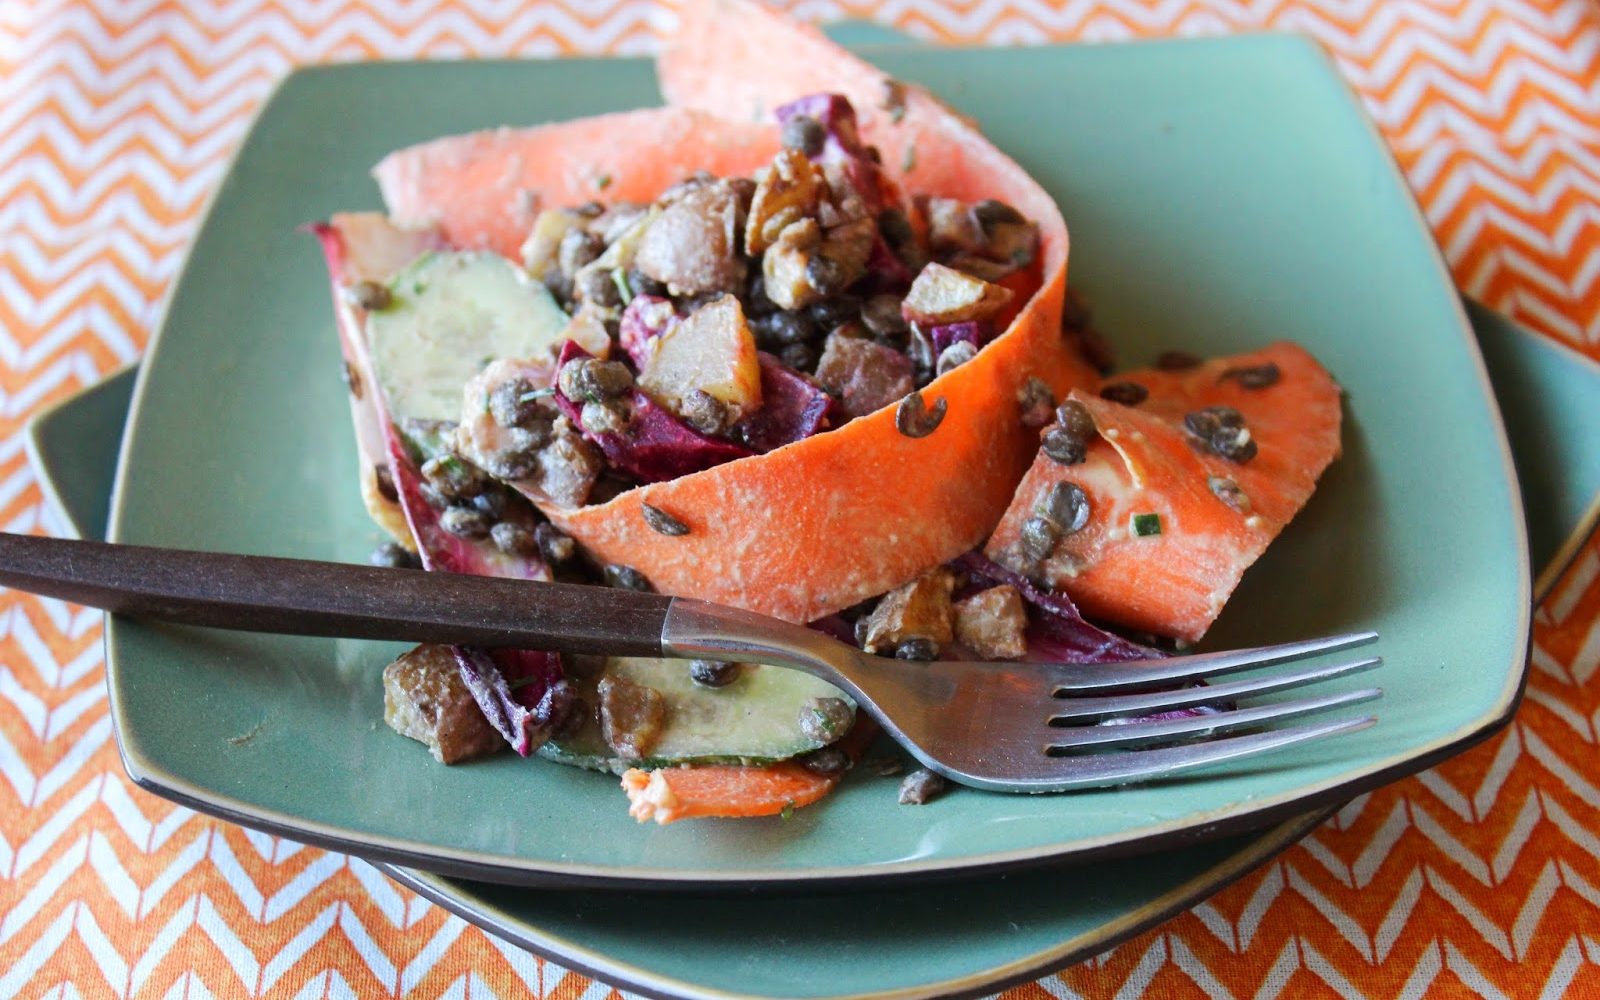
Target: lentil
{"x":591,"y":380}
{"x":1037,"y":402}
{"x":915,"y":419}
{"x":553,"y":544}
{"x":662,"y":522}
{"x":559,"y":284}
{"x":514,"y":402}
{"x":827,"y":762}
{"x":1075,"y":419}
{"x":643,"y":284}
{"x":464,"y":522}
{"x":921,"y":787}
{"x":824,"y":719}
{"x":595,"y":285}
{"x":896,"y":228}
{"x":578,"y":248}
{"x":882,"y":316}
{"x":1067,"y":506}
{"x":800,"y":357}
{"x":1177,"y":361}
{"x":705,"y":412}
{"x":1126,"y":393}
{"x":1256,"y":377}
{"x":627,"y":578}
{"x":789,"y":326}
{"x":835,"y":311}
{"x":453,"y":477}
{"x":514,"y":539}
{"x":394,"y":555}
{"x":805,"y":134}
{"x":369,"y":295}
{"x":491,"y":503}
{"x":917,"y":648}
{"x":1039,"y":538}
{"x":603,"y":418}
{"x":954,"y":356}
{"x":1064,"y":447}
{"x":1222,"y":431}
{"x":1229,"y":492}
{"x":713,"y":673}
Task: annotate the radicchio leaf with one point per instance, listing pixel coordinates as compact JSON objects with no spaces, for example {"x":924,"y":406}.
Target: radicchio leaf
{"x":1058,"y":632}
{"x":656,"y":446}
{"x":522,"y":693}
{"x":944,"y":335}
{"x":646,"y":318}
{"x":792,"y":407}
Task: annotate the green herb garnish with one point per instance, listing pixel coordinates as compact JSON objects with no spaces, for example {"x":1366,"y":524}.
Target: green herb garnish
{"x":1144,"y":525}
{"x":620,"y":279}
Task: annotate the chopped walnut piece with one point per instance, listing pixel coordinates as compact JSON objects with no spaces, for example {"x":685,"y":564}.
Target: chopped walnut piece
{"x":992,"y":623}
{"x":631,"y":716}
{"x":787,"y":192}
{"x":424,"y":698}
{"x":919,"y":610}
{"x":785,"y":265}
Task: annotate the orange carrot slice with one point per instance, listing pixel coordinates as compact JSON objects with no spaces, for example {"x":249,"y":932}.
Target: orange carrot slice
{"x":823,"y":523}
{"x":727,"y":791}
{"x":731,"y":791}
{"x":1216,"y":516}
{"x":483,"y":190}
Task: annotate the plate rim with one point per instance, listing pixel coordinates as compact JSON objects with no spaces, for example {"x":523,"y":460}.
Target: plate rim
{"x":550,"y":872}
{"x":597,"y":965}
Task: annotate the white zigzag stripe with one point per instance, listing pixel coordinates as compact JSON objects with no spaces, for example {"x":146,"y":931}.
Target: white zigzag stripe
{"x":298,"y":945}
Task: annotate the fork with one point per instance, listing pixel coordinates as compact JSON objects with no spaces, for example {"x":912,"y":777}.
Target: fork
{"x":1009,"y":727}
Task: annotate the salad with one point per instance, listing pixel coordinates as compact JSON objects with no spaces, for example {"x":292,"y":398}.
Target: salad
{"x":822,"y":365}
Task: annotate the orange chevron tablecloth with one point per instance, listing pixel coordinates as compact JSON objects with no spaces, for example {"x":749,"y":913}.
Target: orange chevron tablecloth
{"x":117,"y":117}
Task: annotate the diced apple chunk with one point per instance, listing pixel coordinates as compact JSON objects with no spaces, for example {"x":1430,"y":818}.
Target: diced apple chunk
{"x":424,"y":698}
{"x":587,"y":329}
{"x":540,"y":249}
{"x":919,"y":610}
{"x":783,"y":267}
{"x":992,"y":622}
{"x":711,"y":351}
{"x":944,"y":295}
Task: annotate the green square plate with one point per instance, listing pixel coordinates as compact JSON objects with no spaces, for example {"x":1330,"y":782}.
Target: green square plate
{"x":1220,"y":194}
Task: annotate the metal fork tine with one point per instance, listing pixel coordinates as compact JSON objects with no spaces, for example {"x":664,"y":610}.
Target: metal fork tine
{"x":1123,"y":734}
{"x":1073,"y":678}
{"x":1097,"y":770}
{"x":1149,"y":703}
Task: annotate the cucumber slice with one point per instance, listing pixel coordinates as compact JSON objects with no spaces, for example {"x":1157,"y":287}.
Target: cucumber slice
{"x":452,"y":313}
{"x":753,"y":720}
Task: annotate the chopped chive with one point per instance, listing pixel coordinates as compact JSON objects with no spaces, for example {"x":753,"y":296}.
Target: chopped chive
{"x":602,"y":181}
{"x":1144,"y":525}
{"x":620,"y":279}
{"x":788,"y":809}
{"x":529,"y":397}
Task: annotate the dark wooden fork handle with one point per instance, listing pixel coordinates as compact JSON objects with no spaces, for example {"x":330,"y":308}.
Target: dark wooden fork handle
{"x":304,"y":597}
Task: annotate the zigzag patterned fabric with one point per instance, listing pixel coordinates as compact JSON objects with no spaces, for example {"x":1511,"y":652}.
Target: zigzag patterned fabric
{"x":117,"y":117}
